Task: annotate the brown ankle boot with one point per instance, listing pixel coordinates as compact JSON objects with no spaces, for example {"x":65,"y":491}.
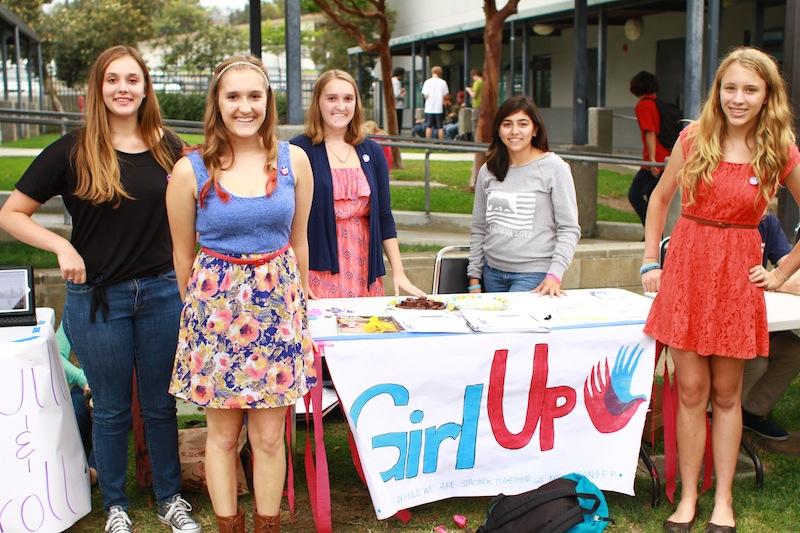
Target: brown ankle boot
{"x":267,"y":524}
{"x":231,"y":524}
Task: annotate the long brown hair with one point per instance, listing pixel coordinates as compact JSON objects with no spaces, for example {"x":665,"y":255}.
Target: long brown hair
{"x":96,"y":163}
{"x":773,"y":136}
{"x":314,"y":125}
{"x":218,"y":144}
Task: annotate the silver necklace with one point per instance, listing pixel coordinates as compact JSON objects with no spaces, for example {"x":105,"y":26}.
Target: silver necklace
{"x":346,"y":157}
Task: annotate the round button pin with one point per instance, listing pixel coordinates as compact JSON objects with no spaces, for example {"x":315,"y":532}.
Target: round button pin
{"x":365,"y":157}
{"x":753,"y":180}
{"x":284,"y":170}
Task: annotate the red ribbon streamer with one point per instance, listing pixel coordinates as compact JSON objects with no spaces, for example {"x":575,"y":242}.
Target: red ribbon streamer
{"x":319,"y":487}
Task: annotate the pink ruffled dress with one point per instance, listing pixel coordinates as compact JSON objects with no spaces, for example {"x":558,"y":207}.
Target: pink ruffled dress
{"x":351,"y":207}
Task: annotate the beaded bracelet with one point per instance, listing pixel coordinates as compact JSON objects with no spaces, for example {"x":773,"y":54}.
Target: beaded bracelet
{"x":474,"y":287}
{"x":647,"y":267}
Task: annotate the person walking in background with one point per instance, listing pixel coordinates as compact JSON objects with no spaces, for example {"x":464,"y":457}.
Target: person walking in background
{"x":767,"y":378}
{"x":399,"y":95}
{"x":433,"y":91}
{"x":710,"y":307}
{"x":351,"y":222}
{"x":122,"y":303}
{"x":525,"y":216}
{"x":244,"y":344}
{"x":645,"y":87}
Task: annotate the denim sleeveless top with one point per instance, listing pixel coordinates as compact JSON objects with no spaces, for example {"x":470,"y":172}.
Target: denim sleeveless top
{"x":246,"y":225}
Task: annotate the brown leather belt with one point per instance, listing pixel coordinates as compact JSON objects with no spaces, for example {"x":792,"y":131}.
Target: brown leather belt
{"x":718,"y":224}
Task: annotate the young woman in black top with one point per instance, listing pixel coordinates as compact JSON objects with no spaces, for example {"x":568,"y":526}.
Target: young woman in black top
{"x":122,"y":305}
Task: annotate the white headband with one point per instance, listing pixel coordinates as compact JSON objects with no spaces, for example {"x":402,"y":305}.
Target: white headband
{"x":243,"y":63}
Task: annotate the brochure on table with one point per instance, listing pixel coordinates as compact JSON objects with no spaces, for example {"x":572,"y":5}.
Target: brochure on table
{"x":582,"y":308}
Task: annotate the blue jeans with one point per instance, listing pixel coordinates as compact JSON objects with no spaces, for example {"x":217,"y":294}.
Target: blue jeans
{"x":140,"y":331}
{"x":499,"y":281}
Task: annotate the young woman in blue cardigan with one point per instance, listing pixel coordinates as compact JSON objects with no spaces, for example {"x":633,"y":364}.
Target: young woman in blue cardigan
{"x":351,"y":222}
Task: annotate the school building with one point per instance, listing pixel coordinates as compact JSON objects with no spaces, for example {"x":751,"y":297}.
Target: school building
{"x":573,"y":55}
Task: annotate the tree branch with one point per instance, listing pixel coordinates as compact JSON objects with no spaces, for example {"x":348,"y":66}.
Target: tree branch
{"x":353,"y":9}
{"x":351,"y":28}
{"x":509,"y":9}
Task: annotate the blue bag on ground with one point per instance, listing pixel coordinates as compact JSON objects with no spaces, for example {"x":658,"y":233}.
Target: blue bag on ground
{"x":569,"y":504}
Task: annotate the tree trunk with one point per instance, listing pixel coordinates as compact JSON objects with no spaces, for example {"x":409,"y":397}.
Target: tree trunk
{"x":493,"y":49}
{"x":50,"y":89}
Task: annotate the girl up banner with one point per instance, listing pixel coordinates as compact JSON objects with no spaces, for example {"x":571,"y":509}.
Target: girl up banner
{"x":436,"y":417}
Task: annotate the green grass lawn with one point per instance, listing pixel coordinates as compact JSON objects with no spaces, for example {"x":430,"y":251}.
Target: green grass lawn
{"x":39,"y":141}
{"x":17,"y":253}
{"x":11,"y":169}
{"x":773,"y":509}
{"x":613,"y":184}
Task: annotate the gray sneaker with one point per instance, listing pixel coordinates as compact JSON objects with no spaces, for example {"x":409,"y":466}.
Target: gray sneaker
{"x":175,"y":512}
{"x":118,"y":521}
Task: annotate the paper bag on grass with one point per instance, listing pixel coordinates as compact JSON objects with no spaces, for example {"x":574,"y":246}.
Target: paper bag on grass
{"x":192,"y":451}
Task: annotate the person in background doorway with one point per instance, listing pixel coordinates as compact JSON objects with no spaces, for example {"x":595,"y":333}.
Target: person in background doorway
{"x":645,"y":87}
{"x":475,"y":94}
{"x":434,"y":90}
{"x":399,"y":96}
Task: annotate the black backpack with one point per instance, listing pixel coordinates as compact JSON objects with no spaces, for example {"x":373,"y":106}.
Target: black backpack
{"x":552,"y":508}
{"x":671,"y":124}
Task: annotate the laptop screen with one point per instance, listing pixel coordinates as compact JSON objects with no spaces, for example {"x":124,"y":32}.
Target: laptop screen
{"x":15,"y":291}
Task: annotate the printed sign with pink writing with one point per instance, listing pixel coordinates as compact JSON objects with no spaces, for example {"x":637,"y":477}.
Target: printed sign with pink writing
{"x":45,"y":481}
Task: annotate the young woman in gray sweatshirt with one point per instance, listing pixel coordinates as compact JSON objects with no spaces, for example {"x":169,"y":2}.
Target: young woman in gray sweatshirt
{"x":525,"y":216}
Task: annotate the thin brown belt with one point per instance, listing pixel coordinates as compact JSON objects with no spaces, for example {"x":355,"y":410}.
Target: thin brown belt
{"x":717,"y":223}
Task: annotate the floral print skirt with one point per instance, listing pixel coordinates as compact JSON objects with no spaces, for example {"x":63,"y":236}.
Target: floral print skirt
{"x":244,"y":341}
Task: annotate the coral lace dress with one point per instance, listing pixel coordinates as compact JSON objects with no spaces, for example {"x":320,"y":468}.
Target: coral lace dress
{"x":351,"y":193}
{"x":706,"y":303}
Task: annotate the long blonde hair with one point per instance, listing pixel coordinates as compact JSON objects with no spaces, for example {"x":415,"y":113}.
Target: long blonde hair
{"x":96,"y":163}
{"x":773,"y":136}
{"x":314,"y":125}
{"x":217,"y":142}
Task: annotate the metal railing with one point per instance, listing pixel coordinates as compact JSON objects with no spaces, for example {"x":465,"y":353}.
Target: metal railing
{"x":66,"y":120}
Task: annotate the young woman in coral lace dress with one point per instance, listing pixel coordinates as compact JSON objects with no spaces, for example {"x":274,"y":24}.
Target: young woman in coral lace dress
{"x":710,"y":307}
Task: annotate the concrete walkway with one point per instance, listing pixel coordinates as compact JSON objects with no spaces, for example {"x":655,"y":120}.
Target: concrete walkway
{"x":17,"y":152}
